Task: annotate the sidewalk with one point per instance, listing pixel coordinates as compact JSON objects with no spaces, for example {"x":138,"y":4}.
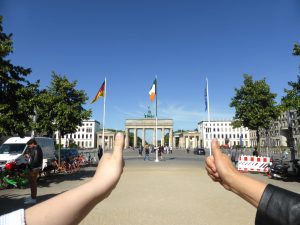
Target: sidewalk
{"x":170,"y":193}
{"x":175,"y":191}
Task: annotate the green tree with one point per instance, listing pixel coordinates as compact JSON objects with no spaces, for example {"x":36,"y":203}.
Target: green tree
{"x":292,"y":101}
{"x":17,"y":93}
{"x":59,"y":107}
{"x":255,"y":106}
{"x":296,"y":50}
{"x":292,"y":98}
{"x":167,"y":138}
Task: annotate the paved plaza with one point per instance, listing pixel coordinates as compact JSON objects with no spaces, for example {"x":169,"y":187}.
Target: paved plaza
{"x":174,"y":191}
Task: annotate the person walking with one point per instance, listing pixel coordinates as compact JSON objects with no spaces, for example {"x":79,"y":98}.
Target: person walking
{"x":141,"y":150}
{"x":147,"y":151}
{"x":235,"y":155}
{"x":161,"y":152}
{"x":255,"y":152}
{"x":34,"y":156}
{"x":100,"y":152}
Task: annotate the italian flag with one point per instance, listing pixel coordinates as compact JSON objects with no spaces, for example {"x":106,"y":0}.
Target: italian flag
{"x":152,"y":91}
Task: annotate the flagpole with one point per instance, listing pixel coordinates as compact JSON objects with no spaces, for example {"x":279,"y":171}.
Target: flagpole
{"x":103,"y":121}
{"x":156,"y":157}
{"x":208,"y":115}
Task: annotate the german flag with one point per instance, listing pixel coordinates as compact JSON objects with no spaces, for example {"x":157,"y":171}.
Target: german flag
{"x":99,"y":93}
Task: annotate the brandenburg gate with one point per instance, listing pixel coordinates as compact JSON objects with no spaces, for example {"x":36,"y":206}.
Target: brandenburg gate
{"x":148,"y":123}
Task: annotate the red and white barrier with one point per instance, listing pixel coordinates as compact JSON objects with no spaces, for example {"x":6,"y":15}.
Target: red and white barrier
{"x":249,"y":163}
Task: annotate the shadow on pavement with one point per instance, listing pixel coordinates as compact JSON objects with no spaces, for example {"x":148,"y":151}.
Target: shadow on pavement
{"x":58,"y":178}
{"x":13,"y":202}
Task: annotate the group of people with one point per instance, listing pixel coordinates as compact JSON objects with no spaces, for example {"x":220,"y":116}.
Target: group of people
{"x":274,"y":205}
{"x":161,"y":150}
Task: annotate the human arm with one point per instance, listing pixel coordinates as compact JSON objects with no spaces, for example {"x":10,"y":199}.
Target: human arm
{"x":274,"y":205}
{"x":72,"y":206}
{"x":278,"y":207}
{"x":220,"y":169}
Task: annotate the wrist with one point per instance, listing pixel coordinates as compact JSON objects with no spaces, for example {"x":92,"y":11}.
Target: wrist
{"x":233,"y":180}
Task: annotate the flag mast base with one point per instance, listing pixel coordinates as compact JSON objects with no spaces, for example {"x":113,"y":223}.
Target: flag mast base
{"x":156,"y":155}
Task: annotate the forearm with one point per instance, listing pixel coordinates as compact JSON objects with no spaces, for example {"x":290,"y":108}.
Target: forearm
{"x":248,"y":188}
{"x":67,"y":208}
{"x":278,"y":207}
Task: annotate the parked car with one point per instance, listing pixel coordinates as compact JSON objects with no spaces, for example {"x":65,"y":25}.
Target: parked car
{"x":199,"y":151}
{"x":69,"y":153}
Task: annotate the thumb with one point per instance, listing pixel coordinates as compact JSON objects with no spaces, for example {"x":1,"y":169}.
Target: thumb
{"x":119,"y":146}
{"x":215,"y":147}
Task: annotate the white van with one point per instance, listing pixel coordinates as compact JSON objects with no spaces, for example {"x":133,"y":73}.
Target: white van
{"x":13,"y":148}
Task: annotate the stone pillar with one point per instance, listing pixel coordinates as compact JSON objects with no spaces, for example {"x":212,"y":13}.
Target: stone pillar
{"x":187,"y":141}
{"x":195,"y":142}
{"x":143,"y":137}
{"x":126,"y":138}
{"x":134,"y":137}
{"x":111,"y":142}
{"x":171,"y":141}
{"x":162,"y":136}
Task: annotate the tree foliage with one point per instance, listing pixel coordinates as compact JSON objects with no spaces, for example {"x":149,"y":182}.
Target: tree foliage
{"x":292,"y":98}
{"x":59,"y":107}
{"x":296,"y":50}
{"x":17,"y":93}
{"x":255,"y":105}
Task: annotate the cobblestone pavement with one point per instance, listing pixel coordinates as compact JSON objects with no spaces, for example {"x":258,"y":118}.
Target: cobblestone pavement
{"x":174,"y":191}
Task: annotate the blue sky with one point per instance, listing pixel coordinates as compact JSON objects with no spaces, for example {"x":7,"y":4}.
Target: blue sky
{"x":182,"y":42}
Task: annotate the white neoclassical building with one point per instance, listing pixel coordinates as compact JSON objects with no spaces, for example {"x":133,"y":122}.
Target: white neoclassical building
{"x":222,"y":130}
{"x":84,"y":137}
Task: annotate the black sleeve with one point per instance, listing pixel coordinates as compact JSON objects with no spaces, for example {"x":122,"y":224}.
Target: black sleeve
{"x":278,"y":206}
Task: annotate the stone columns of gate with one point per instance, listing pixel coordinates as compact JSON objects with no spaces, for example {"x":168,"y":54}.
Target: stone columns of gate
{"x":162,"y":136}
{"x":134,"y":137}
{"x":143,"y":137}
{"x":126,"y":138}
{"x":171,"y":137}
